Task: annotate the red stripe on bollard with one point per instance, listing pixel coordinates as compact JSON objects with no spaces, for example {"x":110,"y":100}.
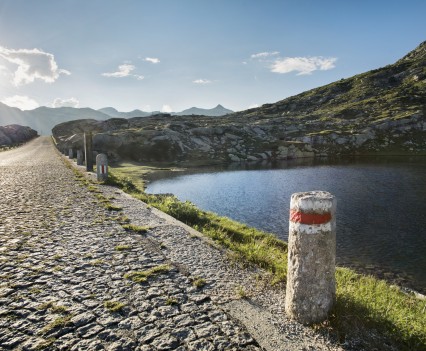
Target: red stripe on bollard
{"x":309,"y":218}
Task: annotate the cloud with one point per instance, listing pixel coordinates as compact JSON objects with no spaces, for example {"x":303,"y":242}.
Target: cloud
{"x":21,"y":102}
{"x":71,"y":102}
{"x":123,"y":71}
{"x":201,"y":81}
{"x":166,"y":109}
{"x":152,"y":59}
{"x":261,"y":55}
{"x":253,"y":106}
{"x":32,"y":64}
{"x":303,"y":65}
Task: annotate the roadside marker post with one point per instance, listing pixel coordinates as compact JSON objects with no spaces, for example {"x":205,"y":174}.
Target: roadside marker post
{"x":79,"y":157}
{"x":311,"y":284}
{"x":88,"y":151}
{"x":102,"y":167}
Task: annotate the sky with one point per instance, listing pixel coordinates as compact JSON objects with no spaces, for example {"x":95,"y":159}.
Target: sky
{"x":170,"y":55}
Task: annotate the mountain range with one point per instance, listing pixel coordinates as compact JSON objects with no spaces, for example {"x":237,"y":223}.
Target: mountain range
{"x":219,"y":110}
{"x":43,"y":119}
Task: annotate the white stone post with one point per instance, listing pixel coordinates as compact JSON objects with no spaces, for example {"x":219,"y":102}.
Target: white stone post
{"x":70,"y":153}
{"x":79,"y":157}
{"x":102,"y":167}
{"x":311,"y":284}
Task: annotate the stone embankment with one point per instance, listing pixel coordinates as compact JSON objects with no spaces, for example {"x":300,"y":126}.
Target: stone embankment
{"x":72,"y":278}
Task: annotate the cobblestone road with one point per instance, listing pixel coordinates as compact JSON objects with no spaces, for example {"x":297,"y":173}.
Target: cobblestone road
{"x":71,"y":278}
{"x":63,"y":261}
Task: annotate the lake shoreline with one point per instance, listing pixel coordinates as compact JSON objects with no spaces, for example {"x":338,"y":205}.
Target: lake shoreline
{"x":392,"y":275}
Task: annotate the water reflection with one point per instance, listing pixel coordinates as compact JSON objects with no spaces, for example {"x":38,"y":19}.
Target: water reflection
{"x":381,"y":203}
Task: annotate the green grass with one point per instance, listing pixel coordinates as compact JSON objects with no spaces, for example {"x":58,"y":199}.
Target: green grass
{"x":53,"y":307}
{"x":94,"y":189}
{"x":134,"y":173}
{"x":111,"y":207}
{"x":45,"y":305}
{"x":130,"y":171}
{"x":102,"y":199}
{"x":97,"y":262}
{"x":171,"y":301}
{"x":114,"y":306}
{"x":142,"y":276}
{"x":121,"y":219}
{"x":136,"y":228}
{"x":35,"y":291}
{"x":45,"y":344}
{"x":59,"y":309}
{"x":199,"y":282}
{"x":241,"y":292}
{"x":363,"y":303}
{"x":59,"y":322}
{"x":122,"y":247}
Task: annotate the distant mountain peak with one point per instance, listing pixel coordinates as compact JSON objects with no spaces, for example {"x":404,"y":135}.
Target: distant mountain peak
{"x":108,"y":109}
{"x":219,"y":110}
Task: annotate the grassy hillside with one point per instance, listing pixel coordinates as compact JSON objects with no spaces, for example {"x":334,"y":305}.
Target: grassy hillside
{"x":381,"y":112}
{"x":393,"y":91}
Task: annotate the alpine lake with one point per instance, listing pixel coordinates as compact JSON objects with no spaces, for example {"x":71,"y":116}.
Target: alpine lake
{"x":381,"y":205}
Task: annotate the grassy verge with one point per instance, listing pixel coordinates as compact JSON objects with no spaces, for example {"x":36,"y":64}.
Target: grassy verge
{"x":365,"y":304}
{"x":248,"y":244}
{"x":135,"y":172}
{"x":369,"y":310}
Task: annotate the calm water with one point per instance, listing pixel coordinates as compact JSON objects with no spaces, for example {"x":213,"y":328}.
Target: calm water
{"x":381,"y":208}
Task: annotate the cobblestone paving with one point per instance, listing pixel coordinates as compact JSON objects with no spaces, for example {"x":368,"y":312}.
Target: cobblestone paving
{"x":71,"y":278}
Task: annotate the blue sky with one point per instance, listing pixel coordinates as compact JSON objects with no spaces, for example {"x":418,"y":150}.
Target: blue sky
{"x":175,"y":54}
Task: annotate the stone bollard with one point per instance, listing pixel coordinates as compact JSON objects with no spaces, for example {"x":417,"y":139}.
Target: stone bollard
{"x":70,"y":153}
{"x":79,"y":157}
{"x":311,"y":284}
{"x":102,"y":167}
{"x":88,"y":151}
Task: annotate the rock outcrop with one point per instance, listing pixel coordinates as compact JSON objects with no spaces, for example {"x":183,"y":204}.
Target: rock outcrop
{"x":15,"y":134}
{"x":379,"y":112}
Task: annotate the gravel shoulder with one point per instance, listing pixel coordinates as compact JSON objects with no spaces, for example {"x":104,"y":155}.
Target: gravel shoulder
{"x":69,"y":273}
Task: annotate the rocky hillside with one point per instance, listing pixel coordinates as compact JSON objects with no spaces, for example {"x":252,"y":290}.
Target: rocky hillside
{"x":16,"y":134}
{"x":378,"y":112}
